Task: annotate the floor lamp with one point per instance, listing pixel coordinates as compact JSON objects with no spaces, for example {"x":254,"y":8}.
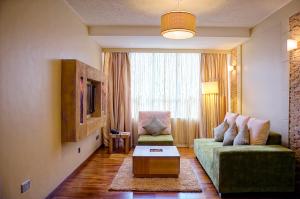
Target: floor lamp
{"x":210,"y":106}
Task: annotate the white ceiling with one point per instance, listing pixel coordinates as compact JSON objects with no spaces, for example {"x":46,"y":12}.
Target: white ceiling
{"x":233,"y":13}
{"x":212,"y":13}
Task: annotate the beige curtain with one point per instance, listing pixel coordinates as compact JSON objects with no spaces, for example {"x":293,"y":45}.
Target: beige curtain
{"x":213,"y":106}
{"x":117,"y":69}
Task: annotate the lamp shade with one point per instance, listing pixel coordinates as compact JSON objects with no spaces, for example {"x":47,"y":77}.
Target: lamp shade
{"x":210,"y":88}
{"x":178,"y":25}
{"x":291,"y":44}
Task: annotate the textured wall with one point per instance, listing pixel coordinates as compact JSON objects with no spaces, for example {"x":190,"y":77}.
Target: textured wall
{"x":34,"y":36}
{"x":294,"y":128}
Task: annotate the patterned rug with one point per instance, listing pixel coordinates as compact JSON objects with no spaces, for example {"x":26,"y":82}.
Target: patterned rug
{"x":186,"y":182}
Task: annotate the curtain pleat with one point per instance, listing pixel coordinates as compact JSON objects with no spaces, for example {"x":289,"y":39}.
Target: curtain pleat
{"x":117,"y":69}
{"x":213,"y":106}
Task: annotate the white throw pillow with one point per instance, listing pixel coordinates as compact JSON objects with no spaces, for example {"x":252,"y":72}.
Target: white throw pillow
{"x":241,"y":121}
{"x":230,"y":135}
{"x":220,"y":130}
{"x":231,"y":117}
{"x":259,"y":131}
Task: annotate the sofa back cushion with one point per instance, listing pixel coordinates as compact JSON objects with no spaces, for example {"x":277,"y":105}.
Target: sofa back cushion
{"x":259,"y":131}
{"x":274,"y":138}
{"x":145,"y":117}
{"x":231,"y":117}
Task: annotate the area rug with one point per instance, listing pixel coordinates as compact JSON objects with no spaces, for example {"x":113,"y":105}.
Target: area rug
{"x":186,"y":182}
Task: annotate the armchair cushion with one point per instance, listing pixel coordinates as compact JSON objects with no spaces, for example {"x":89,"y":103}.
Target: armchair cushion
{"x":160,"y":140}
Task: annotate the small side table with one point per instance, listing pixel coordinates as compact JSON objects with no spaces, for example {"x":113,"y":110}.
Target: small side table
{"x":123,"y":135}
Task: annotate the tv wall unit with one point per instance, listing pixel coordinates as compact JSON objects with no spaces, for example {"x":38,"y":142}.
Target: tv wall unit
{"x":78,"y":120}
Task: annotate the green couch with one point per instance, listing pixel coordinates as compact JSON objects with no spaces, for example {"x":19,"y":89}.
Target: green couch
{"x":160,"y":140}
{"x":248,"y":168}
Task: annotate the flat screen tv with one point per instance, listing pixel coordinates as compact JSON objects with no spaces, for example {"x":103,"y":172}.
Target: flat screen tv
{"x":90,"y":98}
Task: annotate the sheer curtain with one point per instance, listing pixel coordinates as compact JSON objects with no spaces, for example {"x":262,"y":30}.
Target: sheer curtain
{"x":168,"y":82}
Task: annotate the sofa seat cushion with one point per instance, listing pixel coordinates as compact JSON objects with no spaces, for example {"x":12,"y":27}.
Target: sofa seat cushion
{"x":163,"y":140}
{"x":203,"y":149}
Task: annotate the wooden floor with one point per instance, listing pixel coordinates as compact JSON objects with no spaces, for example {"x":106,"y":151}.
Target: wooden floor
{"x":93,"y":178}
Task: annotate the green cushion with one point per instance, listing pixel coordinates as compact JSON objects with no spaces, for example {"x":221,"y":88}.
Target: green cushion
{"x":274,"y":138}
{"x":162,"y":140}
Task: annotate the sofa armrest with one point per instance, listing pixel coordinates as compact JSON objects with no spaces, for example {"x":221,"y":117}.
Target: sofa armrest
{"x":269,"y":168}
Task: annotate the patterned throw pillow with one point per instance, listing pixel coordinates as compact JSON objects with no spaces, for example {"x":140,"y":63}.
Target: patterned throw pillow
{"x":229,"y":135}
{"x":243,"y":136}
{"x":155,"y":127}
{"x":220,"y":130}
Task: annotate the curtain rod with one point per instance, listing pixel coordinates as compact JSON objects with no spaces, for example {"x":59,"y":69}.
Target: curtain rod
{"x":150,"y":50}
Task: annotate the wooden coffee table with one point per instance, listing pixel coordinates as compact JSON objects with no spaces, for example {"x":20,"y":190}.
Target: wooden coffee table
{"x":156,"y":161}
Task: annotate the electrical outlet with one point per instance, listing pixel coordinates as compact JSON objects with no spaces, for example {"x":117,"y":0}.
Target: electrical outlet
{"x":78,"y":149}
{"x":25,"y":186}
{"x":97,"y":137}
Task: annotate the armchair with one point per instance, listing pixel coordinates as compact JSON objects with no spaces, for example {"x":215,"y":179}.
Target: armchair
{"x":165,"y":138}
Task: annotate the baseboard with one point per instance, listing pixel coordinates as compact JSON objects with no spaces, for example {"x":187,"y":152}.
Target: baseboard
{"x":51,"y":195}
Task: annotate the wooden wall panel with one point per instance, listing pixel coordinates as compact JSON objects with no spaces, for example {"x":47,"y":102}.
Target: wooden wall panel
{"x":72,"y":129}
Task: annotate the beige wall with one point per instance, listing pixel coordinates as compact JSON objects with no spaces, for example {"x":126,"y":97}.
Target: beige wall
{"x":34,"y":36}
{"x":265,"y":71}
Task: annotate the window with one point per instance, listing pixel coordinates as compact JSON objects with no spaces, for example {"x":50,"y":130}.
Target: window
{"x":166,"y":82}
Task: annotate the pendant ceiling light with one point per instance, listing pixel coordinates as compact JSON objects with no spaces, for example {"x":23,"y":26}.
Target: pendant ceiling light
{"x":178,"y":25}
